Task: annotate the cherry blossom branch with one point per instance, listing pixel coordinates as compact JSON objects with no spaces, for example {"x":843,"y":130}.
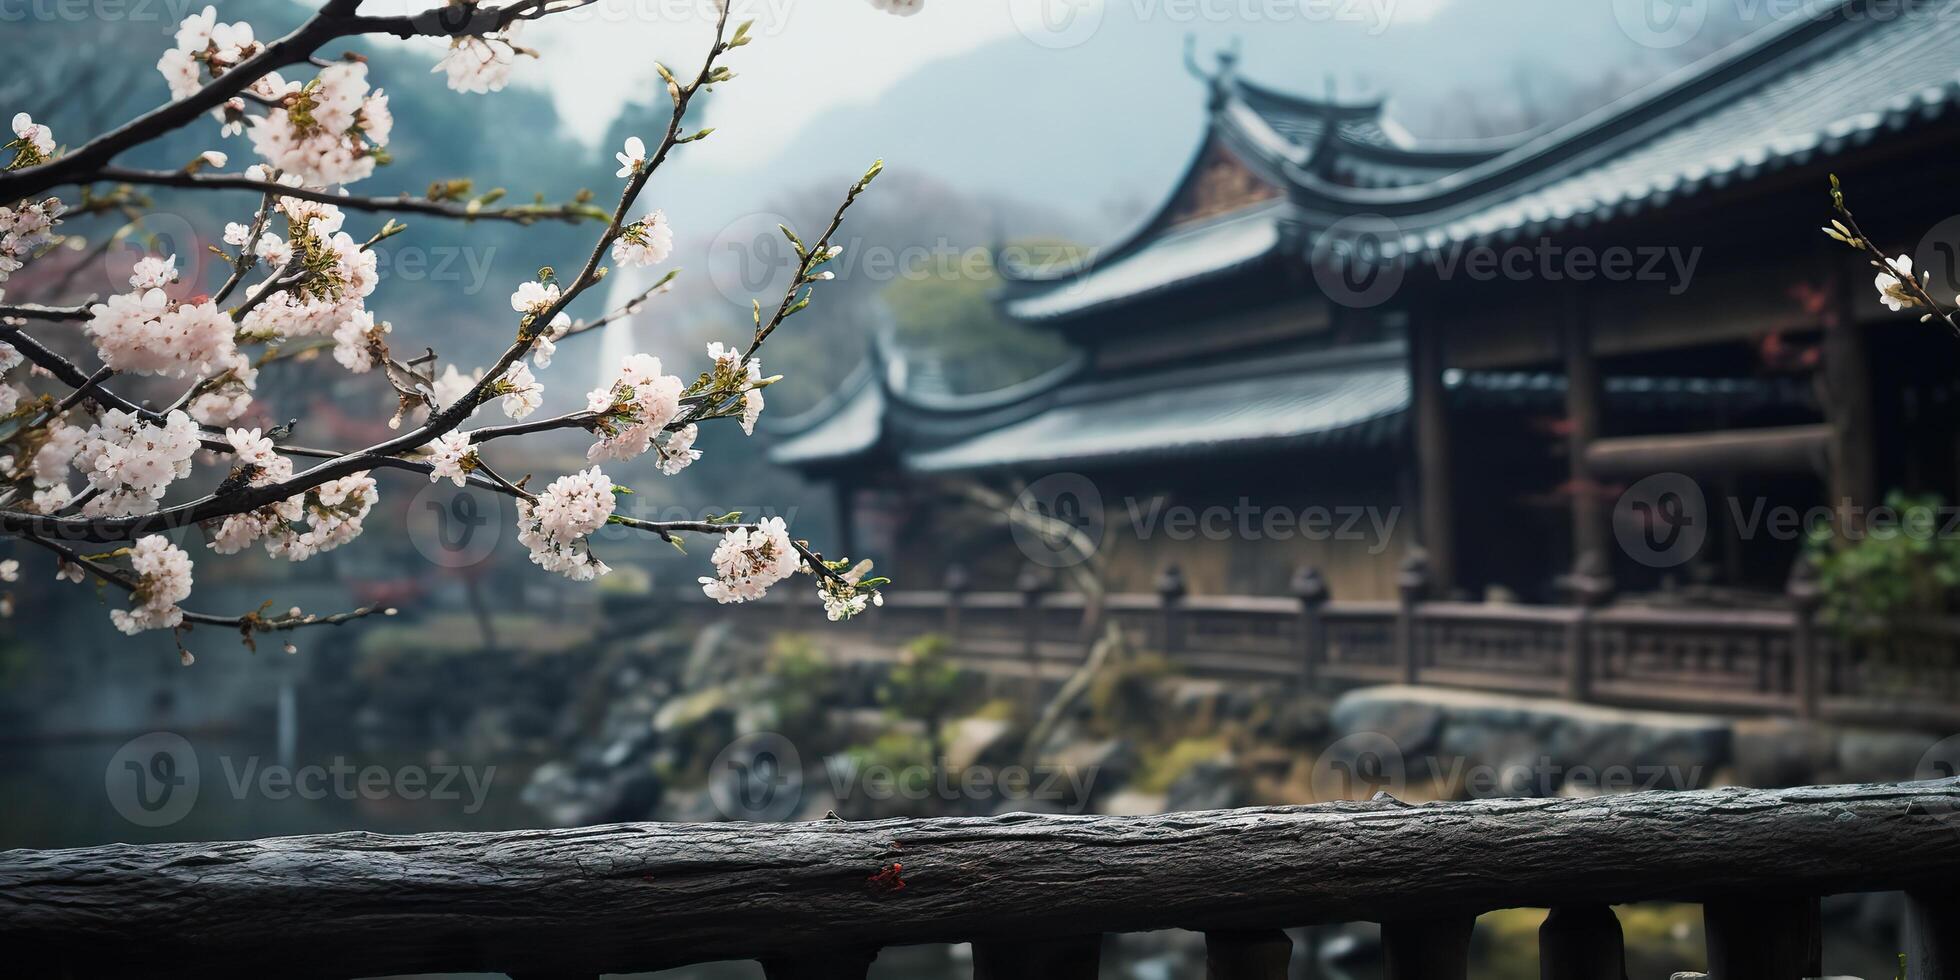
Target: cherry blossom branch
{"x":248,"y":623}
{"x":523,"y":214}
{"x":625,"y":309}
{"x":337,"y":19}
{"x":35,"y":311}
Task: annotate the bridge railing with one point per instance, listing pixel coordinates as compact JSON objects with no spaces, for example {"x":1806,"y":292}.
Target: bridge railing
{"x":1035,"y":895}
{"x":1768,"y":661}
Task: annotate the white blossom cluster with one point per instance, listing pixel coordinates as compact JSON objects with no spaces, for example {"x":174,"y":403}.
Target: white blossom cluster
{"x":129,"y":463}
{"x":555,"y":526}
{"x":732,"y":374}
{"x":146,"y":332}
{"x":749,"y":560}
{"x":206,"y":48}
{"x":899,"y":8}
{"x":27,"y":225}
{"x":327,"y":132}
{"x":634,"y":409}
{"x":644,"y":242}
{"x":450,"y":457}
{"x":480,"y":63}
{"x":163,"y":579}
{"x":357,"y":344}
{"x":340,"y":274}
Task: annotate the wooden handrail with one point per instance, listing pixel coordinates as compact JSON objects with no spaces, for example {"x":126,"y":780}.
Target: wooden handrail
{"x":633,"y":897}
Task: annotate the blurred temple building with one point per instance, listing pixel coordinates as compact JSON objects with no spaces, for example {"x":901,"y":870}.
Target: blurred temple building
{"x":1479,"y":350}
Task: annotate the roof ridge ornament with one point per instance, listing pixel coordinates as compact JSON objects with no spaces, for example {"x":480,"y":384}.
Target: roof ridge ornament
{"x":1220,"y":78}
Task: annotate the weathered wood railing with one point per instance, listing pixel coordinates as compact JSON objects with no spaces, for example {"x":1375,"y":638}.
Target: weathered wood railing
{"x":1034,"y":894}
{"x":1778,"y":661}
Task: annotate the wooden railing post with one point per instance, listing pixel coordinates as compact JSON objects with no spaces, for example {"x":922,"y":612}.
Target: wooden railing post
{"x":1765,"y":938}
{"x":1413,"y":585}
{"x":1581,"y":943}
{"x":1257,"y":955}
{"x":1590,"y":586}
{"x":1806,"y":674}
{"x":1170,"y":594}
{"x":1427,"y":949}
{"x":1932,"y":936}
{"x":1311,"y":589}
{"x":956,"y":584}
{"x":1073,"y":958}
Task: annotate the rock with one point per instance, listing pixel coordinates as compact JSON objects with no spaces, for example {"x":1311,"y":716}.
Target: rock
{"x":1865,"y":756}
{"x":1411,"y":724}
{"x":687,"y":806}
{"x":689,"y":710}
{"x":1100,"y":766}
{"x":1209,"y":785}
{"x":978,"y":741}
{"x":1776,"y":752}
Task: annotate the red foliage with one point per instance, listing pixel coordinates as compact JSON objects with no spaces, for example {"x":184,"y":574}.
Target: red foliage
{"x":888,"y":880}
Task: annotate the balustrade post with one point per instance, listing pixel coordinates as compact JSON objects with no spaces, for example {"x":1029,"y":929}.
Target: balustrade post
{"x":1427,"y":949}
{"x":1581,"y":943}
{"x":1764,"y":939}
{"x":1590,"y":587}
{"x":1072,"y":958}
{"x":1932,"y":936}
{"x":848,"y":964}
{"x":1032,"y":582}
{"x":1413,"y":585}
{"x":1170,"y":594}
{"x":955,"y":585}
{"x":1806,"y":676}
{"x":1311,"y":589}
{"x":1258,"y":955}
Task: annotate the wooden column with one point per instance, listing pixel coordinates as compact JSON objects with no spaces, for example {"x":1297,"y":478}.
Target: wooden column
{"x":1848,"y":401}
{"x":1427,"y":949}
{"x":1589,"y":588}
{"x":1435,"y":494}
{"x":850,"y":964}
{"x":1260,"y":955}
{"x":1581,"y":943}
{"x":1582,"y":399}
{"x":1764,"y":938}
{"x":1932,"y":936}
{"x":1074,"y":958}
{"x":1032,"y":582}
{"x":1311,"y":589}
